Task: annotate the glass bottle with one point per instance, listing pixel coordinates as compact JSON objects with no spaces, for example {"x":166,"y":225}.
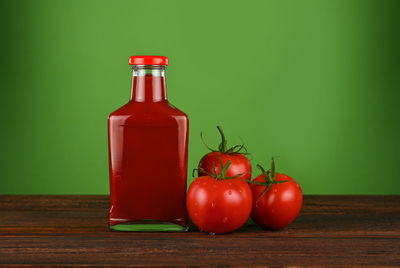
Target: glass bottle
{"x":148,"y":147}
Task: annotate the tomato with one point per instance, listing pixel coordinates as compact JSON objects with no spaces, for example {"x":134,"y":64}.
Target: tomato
{"x":219,"y":204}
{"x":239,"y":162}
{"x":278,"y":206}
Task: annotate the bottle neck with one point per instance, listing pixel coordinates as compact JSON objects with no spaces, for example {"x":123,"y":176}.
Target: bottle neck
{"x":148,"y":83}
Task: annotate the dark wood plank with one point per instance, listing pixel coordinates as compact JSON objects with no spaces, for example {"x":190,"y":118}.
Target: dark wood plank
{"x":72,"y":230}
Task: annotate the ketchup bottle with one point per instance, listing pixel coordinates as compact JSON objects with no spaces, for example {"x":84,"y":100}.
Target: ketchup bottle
{"x":148,"y":147}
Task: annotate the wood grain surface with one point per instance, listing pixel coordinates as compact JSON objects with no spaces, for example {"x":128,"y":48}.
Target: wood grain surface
{"x":72,"y":231}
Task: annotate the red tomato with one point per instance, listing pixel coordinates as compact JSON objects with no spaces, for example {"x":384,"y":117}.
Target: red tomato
{"x":280,"y":205}
{"x":219,"y":205}
{"x":239,"y":162}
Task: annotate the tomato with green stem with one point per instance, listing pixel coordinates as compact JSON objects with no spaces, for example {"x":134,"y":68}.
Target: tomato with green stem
{"x":277,"y":199}
{"x":240,"y":164}
{"x":217,"y":203}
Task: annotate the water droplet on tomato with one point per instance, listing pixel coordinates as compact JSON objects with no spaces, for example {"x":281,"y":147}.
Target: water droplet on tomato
{"x":213,"y":205}
{"x":229,"y":192}
{"x":225,"y":219}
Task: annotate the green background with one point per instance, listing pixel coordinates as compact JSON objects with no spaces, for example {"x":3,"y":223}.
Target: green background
{"x":313,"y":82}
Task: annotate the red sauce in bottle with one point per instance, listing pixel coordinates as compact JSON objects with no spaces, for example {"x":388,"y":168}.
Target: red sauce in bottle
{"x":148,"y":140}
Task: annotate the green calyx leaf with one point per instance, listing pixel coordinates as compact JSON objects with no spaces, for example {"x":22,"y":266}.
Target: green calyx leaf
{"x":222,"y":174}
{"x":205,"y":144}
{"x":194,"y":170}
{"x":270,"y":178}
{"x":224,"y":169}
{"x":263,"y":193}
{"x":222,"y":147}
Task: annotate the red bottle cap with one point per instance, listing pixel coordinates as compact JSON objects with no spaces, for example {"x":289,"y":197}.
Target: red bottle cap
{"x":148,"y":60}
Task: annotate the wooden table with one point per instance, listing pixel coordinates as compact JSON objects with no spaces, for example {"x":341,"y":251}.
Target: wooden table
{"x":72,"y":230}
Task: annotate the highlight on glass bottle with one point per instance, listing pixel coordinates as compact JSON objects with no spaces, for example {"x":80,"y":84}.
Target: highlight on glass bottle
{"x":148,"y":147}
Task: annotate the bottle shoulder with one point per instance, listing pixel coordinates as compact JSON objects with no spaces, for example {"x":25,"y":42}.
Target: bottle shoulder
{"x":123,"y":110}
{"x":176,"y":111}
{"x":148,"y":112}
